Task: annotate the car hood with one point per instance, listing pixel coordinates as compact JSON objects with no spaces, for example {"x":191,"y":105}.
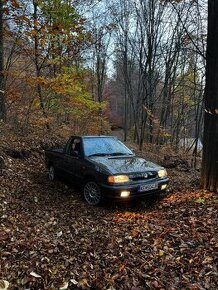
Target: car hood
{"x":124,"y":164}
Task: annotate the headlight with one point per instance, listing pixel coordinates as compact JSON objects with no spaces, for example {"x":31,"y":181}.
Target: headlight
{"x":118,"y":179}
{"x":162,"y":173}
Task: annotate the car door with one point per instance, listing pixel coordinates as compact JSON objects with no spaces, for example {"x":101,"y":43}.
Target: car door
{"x":73,"y":159}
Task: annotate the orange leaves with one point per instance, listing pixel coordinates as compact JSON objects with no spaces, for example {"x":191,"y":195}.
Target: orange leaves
{"x":67,"y":94}
{"x":3,"y":235}
{"x":130,"y":217}
{"x":24,"y":18}
{"x":39,"y":81}
{"x":6,"y":11}
{"x":121,"y":267}
{"x":40,"y":122}
{"x":49,"y":38}
{"x":32,"y":33}
{"x":135,"y":233}
{"x":15,"y":4}
{"x":161,"y":253}
{"x":11,"y":5}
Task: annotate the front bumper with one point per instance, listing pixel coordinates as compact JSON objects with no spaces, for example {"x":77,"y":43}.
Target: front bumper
{"x":114,"y":191}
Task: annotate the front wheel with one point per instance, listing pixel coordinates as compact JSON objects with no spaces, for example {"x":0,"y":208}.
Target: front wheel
{"x":51,"y":173}
{"x":92,"y":192}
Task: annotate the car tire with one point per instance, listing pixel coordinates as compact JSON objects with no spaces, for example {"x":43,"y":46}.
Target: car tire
{"x":51,"y":173}
{"x":92,"y":192}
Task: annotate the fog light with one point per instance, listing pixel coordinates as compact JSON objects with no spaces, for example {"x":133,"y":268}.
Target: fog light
{"x":125,"y":193}
{"x":164,"y":186}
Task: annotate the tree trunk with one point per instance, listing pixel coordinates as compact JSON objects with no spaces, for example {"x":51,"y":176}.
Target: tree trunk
{"x":36,"y":60}
{"x":209,"y":174}
{"x":2,"y":82}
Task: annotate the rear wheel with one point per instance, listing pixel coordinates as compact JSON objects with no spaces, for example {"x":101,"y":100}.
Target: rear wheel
{"x":51,"y":173}
{"x":92,"y":192}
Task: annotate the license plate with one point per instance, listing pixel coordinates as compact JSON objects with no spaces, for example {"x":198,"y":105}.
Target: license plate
{"x":147,"y":187}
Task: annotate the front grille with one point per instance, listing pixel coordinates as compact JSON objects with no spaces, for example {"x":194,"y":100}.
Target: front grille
{"x":143,"y":176}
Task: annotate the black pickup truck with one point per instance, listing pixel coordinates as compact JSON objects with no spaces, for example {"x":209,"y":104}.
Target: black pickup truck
{"x":105,"y":168}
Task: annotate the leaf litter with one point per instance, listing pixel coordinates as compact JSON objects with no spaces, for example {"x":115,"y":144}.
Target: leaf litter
{"x":51,"y":239}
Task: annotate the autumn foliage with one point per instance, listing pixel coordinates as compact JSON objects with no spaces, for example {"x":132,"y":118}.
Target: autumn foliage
{"x":47,"y":84}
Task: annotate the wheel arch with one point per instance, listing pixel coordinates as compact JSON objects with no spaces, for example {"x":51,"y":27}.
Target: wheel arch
{"x":50,"y":163}
{"x":89,"y":177}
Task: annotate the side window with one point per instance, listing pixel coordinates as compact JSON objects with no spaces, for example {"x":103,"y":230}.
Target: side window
{"x":68,"y":146}
{"x":75,"y":147}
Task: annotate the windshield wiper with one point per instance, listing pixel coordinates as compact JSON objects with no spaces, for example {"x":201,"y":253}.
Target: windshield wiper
{"x":110,"y":154}
{"x":98,"y":154}
{"x":119,"y":153}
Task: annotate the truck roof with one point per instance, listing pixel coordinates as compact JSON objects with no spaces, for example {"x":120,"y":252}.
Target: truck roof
{"x":95,"y":136}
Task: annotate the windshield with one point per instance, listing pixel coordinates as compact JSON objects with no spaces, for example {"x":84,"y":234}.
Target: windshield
{"x":102,"y":146}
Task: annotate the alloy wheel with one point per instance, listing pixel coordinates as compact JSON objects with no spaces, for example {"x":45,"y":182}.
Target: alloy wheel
{"x":92,"y":193}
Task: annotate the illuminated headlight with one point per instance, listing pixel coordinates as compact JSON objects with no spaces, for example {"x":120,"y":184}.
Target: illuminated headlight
{"x":118,"y":179}
{"x":163,"y":186}
{"x":162,"y":173}
{"x":125,"y":193}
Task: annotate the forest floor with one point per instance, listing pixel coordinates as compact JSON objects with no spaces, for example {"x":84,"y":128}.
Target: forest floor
{"x":51,"y":239}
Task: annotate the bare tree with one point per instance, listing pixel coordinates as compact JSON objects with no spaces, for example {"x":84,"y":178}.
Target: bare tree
{"x":161,"y":47}
{"x":38,"y":66}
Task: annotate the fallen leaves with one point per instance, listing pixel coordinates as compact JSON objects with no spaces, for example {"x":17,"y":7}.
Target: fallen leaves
{"x":4,"y":285}
{"x":50,"y":239}
{"x":3,"y":236}
{"x":35,"y":275}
